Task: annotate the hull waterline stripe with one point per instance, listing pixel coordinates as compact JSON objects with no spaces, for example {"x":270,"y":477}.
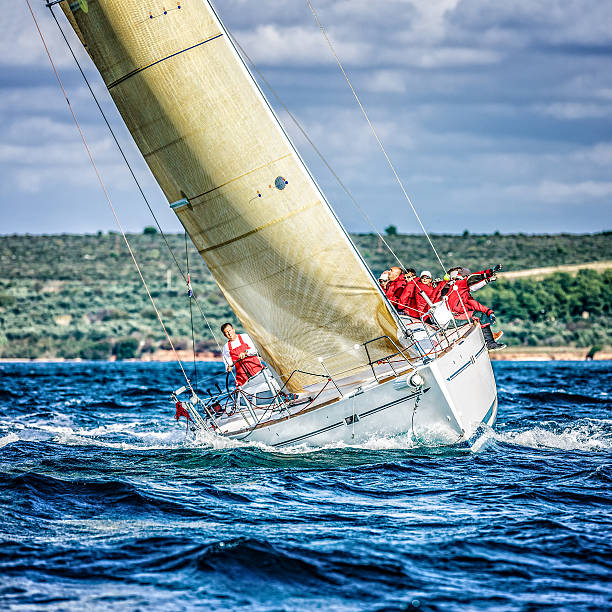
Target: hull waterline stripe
{"x":361,"y":415}
{"x":465,"y":365}
{"x":398,"y":401}
{"x":138,"y":70}
{"x":479,"y":431}
{"x":308,"y":435}
{"x":490,"y":412}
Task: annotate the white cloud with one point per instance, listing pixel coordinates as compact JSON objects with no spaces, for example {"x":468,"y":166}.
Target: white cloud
{"x":599,"y":154}
{"x":385,"y":81}
{"x":452,"y":56}
{"x":557,"y":191}
{"x":297,"y":45}
{"x":20,"y":43}
{"x":575,"y":110}
{"x":605,"y":93}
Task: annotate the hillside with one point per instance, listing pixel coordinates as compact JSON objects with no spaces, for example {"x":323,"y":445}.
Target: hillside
{"x":76,"y":296}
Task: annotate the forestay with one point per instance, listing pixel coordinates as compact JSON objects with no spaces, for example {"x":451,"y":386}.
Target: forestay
{"x":258,"y":219}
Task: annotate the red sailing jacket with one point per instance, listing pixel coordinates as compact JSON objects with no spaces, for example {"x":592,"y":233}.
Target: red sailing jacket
{"x":461,"y":302}
{"x":439,"y":292}
{"x":248,"y":367}
{"x":395,"y":289}
{"x":443,"y":287}
{"x":407,"y":302}
{"x":421,"y":304}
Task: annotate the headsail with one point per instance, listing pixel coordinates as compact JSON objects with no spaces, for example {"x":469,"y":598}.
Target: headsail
{"x":258,"y":219}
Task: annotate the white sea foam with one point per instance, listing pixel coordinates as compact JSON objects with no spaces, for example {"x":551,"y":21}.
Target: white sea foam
{"x":404,"y":442}
{"x":582,"y":435}
{"x":9,"y":439}
{"x":585,"y":435}
{"x":136,"y":435}
{"x":140,"y":440}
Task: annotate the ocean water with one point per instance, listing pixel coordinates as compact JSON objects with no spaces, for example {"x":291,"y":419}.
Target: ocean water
{"x":106,"y":506}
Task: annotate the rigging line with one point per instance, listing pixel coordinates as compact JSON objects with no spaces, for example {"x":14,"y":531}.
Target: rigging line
{"x":127,"y":163}
{"x":316,"y":150}
{"x":93,"y":163}
{"x":365,"y":114}
{"x":190,"y":294}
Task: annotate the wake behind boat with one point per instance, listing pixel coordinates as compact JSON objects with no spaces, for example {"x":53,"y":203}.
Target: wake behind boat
{"x":342,"y":364}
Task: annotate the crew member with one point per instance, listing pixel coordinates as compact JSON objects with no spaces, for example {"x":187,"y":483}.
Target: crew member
{"x":475,"y":281}
{"x":407,"y":301}
{"x":465,"y":308}
{"x":424,"y":292}
{"x":395,"y":285}
{"x":240,"y":352}
{"x":383,"y":279}
{"x":443,"y":287}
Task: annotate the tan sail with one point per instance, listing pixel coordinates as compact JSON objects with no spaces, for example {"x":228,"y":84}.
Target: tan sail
{"x":259,"y":221}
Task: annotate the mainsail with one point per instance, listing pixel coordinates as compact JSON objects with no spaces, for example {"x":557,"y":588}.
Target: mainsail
{"x":264,"y":229}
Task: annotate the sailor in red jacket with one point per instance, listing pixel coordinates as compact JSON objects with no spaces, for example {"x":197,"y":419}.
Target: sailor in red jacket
{"x":424,"y":293}
{"x":444,"y":286}
{"x":407,"y":301}
{"x":465,"y":308}
{"x":240,"y":352}
{"x":395,"y":286}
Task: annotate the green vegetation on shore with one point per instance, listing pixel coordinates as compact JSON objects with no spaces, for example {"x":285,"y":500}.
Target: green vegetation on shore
{"x":77,"y":296}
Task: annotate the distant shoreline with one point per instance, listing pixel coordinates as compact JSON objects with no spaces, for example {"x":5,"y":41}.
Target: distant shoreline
{"x":548,"y":353}
{"x":514,"y":353}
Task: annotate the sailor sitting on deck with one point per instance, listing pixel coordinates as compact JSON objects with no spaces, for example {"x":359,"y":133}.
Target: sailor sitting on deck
{"x":395,"y":285}
{"x":424,"y":293}
{"x":407,"y":301}
{"x":239,"y":351}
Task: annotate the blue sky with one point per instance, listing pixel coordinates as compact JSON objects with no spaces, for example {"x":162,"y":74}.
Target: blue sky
{"x":497,"y":115}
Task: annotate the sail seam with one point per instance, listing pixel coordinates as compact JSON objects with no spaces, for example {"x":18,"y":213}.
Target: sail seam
{"x":261,"y":227}
{"x":318,"y":151}
{"x":138,"y":70}
{"x":201,"y":195}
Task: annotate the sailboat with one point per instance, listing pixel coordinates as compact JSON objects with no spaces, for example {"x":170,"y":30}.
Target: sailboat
{"x":342,"y":365}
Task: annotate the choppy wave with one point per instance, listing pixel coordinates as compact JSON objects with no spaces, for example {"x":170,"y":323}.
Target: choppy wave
{"x":106,"y":504}
{"x":582,"y":434}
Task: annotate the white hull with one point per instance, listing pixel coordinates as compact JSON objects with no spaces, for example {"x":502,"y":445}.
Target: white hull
{"x":458,"y":395}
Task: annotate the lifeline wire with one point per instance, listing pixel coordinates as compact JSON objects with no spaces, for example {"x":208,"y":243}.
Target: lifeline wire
{"x":127,"y":163}
{"x":317,"y":151}
{"x":382,"y":148}
{"x":93,"y":163}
